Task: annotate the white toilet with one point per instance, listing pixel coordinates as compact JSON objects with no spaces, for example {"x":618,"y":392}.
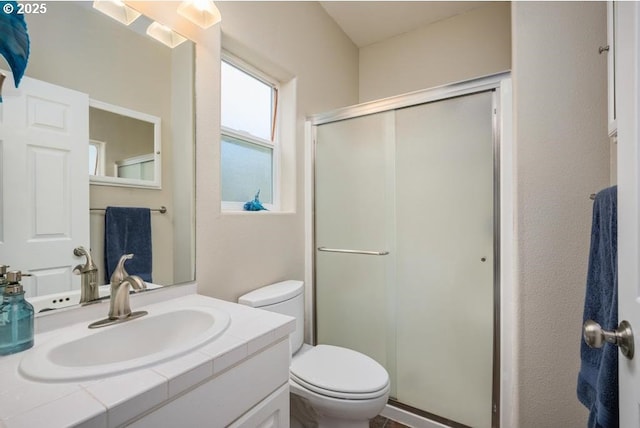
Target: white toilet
{"x":333,"y":387}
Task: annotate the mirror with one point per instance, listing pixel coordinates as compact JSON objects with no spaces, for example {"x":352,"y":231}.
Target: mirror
{"x":128,"y":76}
{"x":124,"y":147}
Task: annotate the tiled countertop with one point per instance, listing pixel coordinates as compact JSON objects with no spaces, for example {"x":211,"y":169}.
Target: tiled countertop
{"x":111,"y":401}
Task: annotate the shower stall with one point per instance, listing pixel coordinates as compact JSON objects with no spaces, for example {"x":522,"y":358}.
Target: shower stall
{"x":406,"y":244}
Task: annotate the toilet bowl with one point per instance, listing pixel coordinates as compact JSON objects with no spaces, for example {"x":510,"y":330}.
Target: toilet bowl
{"x":344,"y":387}
{"x":331,"y":386}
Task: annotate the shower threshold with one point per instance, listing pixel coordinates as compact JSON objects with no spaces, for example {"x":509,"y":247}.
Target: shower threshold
{"x":414,"y":417}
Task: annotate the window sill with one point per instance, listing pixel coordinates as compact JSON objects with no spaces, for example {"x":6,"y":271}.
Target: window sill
{"x":257,"y":213}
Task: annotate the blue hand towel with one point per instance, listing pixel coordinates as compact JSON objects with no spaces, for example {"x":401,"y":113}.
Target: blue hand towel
{"x":128,"y":231}
{"x":14,"y":43}
{"x":598,"y":377}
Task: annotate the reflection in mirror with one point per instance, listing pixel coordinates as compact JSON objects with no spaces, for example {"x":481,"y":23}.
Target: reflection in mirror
{"x":77,"y":48}
{"x":124,"y":146}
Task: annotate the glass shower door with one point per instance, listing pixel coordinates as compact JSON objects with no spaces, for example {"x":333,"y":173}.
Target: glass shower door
{"x":445,"y":258}
{"x":417,"y":182}
{"x":353,"y":203}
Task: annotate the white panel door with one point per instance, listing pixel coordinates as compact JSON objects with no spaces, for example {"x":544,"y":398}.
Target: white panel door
{"x":44,"y":188}
{"x":628,"y":97}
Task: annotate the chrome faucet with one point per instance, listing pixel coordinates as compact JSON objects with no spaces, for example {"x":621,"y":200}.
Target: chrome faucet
{"x":89,"y":291}
{"x":119,"y":306}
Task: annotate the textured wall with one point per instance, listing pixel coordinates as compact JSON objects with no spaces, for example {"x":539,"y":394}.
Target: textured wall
{"x":473,"y":44}
{"x":562,"y":155}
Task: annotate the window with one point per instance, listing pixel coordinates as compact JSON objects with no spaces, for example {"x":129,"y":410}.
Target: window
{"x":96,"y":157}
{"x":249,"y":151}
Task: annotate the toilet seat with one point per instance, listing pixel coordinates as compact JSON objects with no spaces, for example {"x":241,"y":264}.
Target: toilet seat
{"x":338,"y":372}
{"x":337,"y":394}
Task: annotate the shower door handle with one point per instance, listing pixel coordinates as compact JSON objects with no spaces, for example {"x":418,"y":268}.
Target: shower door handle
{"x":341,"y":250}
{"x":595,"y":336}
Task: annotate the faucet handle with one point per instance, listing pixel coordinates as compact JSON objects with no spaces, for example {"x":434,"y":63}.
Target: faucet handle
{"x":89,"y":265}
{"x":120,"y":273}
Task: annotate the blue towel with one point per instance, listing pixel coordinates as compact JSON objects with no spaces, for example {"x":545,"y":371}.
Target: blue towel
{"x":598,"y":377}
{"x":14,"y":39}
{"x":128,"y":231}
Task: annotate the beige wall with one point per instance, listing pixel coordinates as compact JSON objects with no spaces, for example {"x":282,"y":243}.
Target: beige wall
{"x":239,"y":252}
{"x":99,"y":56}
{"x":562,"y":155}
{"x":473,"y":44}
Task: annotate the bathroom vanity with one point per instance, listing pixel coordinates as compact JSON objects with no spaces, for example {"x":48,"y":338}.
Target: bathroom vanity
{"x":239,"y":378}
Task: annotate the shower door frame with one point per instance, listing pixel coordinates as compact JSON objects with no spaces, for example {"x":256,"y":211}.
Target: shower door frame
{"x":504,"y":412}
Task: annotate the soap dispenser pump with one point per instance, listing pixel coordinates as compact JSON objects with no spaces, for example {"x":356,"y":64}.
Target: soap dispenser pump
{"x":16,"y":317}
{"x":3,"y":278}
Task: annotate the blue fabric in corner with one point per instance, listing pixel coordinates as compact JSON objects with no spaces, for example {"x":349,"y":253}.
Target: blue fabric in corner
{"x":14,"y":42}
{"x":128,"y":231}
{"x":598,"y":377}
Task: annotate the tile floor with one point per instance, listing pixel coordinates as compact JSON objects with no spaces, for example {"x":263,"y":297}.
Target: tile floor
{"x":382,"y":422}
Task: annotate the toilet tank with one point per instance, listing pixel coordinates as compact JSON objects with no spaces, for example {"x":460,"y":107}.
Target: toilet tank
{"x":287,"y":298}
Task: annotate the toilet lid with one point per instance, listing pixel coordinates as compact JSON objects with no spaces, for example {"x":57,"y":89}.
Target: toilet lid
{"x":337,"y":371}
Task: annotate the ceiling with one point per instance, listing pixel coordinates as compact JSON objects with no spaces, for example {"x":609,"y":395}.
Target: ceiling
{"x":368,"y":22}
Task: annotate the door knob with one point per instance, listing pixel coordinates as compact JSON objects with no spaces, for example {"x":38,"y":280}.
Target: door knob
{"x":595,"y":336}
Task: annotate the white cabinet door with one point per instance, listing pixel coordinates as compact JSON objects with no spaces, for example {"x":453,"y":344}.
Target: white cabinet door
{"x":272,"y":412}
{"x":44,"y":184}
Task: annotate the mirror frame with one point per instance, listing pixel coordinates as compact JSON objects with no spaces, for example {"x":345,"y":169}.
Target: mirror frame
{"x":156,"y":183}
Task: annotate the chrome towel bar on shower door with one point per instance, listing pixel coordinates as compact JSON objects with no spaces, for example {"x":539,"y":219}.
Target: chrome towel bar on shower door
{"x":341,"y":250}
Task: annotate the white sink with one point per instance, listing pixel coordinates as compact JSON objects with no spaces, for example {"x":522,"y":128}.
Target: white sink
{"x":80,"y":353}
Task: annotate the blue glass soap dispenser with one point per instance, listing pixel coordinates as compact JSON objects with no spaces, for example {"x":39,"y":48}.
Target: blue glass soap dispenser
{"x":16,"y":317}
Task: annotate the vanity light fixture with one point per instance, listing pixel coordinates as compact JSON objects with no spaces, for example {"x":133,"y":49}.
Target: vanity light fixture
{"x":117,"y":10}
{"x":165,"y":35}
{"x":201,"y":12}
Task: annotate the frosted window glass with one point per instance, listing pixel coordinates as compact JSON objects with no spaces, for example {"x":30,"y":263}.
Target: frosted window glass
{"x":246,"y":103}
{"x":246,"y":168}
{"x":137,"y":171}
{"x":93,"y":159}
{"x":130,"y":171}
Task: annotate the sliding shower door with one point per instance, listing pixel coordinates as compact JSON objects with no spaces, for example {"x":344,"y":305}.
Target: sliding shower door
{"x":409,"y":193}
{"x":354,"y":212}
{"x":444,"y":236}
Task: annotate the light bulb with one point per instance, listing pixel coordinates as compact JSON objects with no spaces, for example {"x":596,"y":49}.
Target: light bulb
{"x":201,"y":12}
